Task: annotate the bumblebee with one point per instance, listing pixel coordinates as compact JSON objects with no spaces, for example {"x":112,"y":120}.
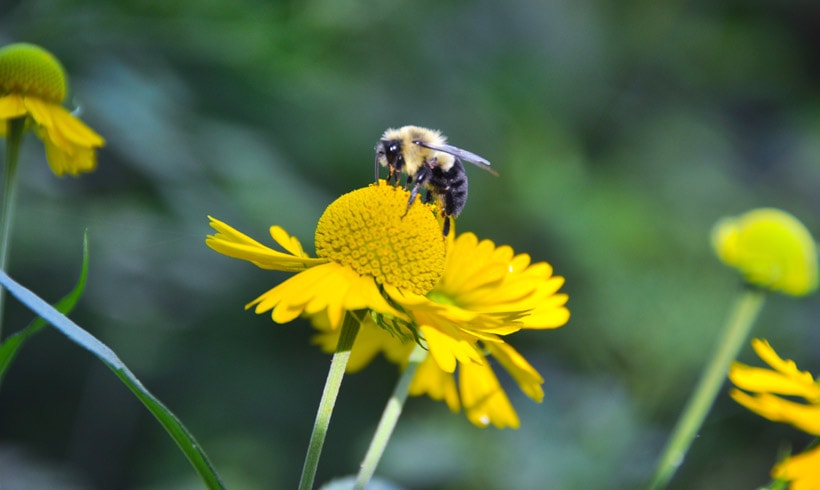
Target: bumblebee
{"x":430,"y":163}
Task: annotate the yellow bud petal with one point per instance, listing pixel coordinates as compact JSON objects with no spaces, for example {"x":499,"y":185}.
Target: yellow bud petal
{"x":771,"y":248}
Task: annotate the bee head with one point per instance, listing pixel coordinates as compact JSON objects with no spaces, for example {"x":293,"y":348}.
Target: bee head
{"x":389,"y":154}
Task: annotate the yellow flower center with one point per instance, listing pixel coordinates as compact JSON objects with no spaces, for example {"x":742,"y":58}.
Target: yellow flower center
{"x":31,"y":70}
{"x":372,"y":231}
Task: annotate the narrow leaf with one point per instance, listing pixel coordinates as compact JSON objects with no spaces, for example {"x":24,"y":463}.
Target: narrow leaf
{"x":184,"y":439}
{"x":9,"y":348}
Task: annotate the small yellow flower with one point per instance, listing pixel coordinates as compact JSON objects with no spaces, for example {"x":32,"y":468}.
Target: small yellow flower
{"x":33,"y":86}
{"x":366,"y":241}
{"x":485,"y":293}
{"x":768,"y":387}
{"x":770,"y":248}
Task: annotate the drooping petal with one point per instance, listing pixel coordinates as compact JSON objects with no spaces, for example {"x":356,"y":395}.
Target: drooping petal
{"x":432,"y":381}
{"x":233,"y":243}
{"x":483,"y":398}
{"x":34,"y":86}
{"x":73,"y":162}
{"x":11,"y":106}
{"x":804,"y":417}
{"x":73,"y":129}
{"x":522,"y":371}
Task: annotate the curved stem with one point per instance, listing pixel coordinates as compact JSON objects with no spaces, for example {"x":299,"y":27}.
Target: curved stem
{"x":390,"y":417}
{"x":14,"y":138}
{"x":737,"y":329}
{"x":350,"y":328}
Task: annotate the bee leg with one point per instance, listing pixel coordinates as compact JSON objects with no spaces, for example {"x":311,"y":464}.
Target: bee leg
{"x":413,"y":194}
{"x":377,"y":168}
{"x":446,"y":230}
{"x":392,"y":175}
{"x":422,"y":176}
{"x":428,"y":196}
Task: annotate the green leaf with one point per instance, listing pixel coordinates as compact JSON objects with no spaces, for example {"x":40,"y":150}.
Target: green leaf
{"x":9,"y":348}
{"x":184,"y":439}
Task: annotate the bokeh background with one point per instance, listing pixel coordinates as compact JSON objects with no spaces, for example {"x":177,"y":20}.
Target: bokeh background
{"x":622,"y":132}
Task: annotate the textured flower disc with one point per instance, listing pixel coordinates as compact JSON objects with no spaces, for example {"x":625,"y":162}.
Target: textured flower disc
{"x":371,"y":231}
{"x":30,"y":70}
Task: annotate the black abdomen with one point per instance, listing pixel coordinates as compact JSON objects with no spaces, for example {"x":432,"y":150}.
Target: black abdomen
{"x":450,"y":187}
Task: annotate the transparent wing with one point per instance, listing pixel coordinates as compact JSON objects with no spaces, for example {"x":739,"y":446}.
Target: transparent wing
{"x":463,"y":155}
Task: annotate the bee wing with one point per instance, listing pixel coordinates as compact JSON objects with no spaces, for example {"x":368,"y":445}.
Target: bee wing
{"x":461,"y":154}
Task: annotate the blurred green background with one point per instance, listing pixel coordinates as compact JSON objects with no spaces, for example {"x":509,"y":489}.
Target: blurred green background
{"x":622,"y":132}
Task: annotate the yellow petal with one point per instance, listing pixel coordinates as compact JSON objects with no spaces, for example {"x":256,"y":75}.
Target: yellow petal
{"x":63,"y":129}
{"x":776,"y":409}
{"x":41,"y":113}
{"x":72,"y":162}
{"x":228,"y":241}
{"x":785,"y":379}
{"x":435,"y":383}
{"x":483,"y":398}
{"x":801,"y":470}
{"x":522,"y":371}
{"x":788,"y":367}
{"x":73,"y":129}
{"x":760,"y":380}
{"x":447,"y":347}
{"x":286,"y":241}
{"x":11,"y":106}
{"x":328,"y":288}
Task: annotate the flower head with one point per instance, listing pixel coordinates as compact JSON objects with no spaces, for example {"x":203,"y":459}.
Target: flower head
{"x":770,"y":248}
{"x":457,"y":297}
{"x":366,"y":241}
{"x":485,"y":293}
{"x":763,"y":391}
{"x":33,"y":86}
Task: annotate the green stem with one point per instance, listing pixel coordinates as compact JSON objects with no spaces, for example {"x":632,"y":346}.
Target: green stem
{"x":14,"y":138}
{"x":736,"y":332}
{"x":390,"y":417}
{"x":350,"y":328}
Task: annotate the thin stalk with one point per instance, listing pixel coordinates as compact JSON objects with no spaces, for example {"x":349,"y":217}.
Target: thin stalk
{"x":735,"y":334}
{"x":14,"y":138}
{"x":350,"y":328}
{"x":390,"y":417}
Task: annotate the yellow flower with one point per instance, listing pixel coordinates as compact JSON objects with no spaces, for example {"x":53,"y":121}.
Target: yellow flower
{"x":768,"y":387}
{"x":770,"y":248}
{"x":366,"y":241}
{"x":485,"y":293}
{"x":33,"y":86}
{"x":458,"y":297}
